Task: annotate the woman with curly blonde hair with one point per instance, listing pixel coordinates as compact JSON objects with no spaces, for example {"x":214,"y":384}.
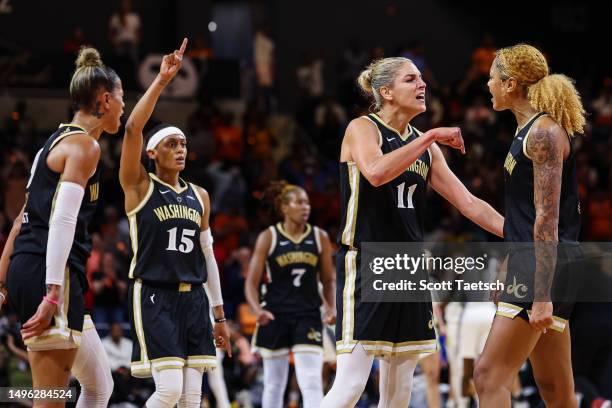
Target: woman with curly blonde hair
{"x":542,"y":209}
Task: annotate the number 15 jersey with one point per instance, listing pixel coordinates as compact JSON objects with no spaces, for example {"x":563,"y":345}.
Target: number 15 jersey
{"x":165,"y":234}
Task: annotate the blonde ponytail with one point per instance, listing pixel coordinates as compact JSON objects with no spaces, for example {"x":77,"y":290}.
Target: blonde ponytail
{"x":557,"y":96}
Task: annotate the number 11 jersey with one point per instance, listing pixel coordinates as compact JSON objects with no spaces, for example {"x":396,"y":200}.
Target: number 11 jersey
{"x":392,"y":212}
{"x":165,"y":234}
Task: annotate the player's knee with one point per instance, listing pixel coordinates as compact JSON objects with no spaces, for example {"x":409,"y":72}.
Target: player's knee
{"x":170,"y":393}
{"x":483,"y":378}
{"x":556,"y":391}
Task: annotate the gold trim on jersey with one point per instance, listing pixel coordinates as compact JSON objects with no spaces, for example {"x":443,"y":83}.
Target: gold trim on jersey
{"x":71,"y":125}
{"x":348,"y":302}
{"x":408,"y":127}
{"x":143,"y":366}
{"x":134,"y":238}
{"x":201,"y":362}
{"x":519,"y":128}
{"x":511,"y":311}
{"x":60,"y":328}
{"x":177,"y":191}
{"x":197,"y":194}
{"x":273,"y":240}
{"x":142,"y":202}
{"x":387,"y":348}
{"x":286,"y":235}
{"x":317,"y":231}
{"x":377,"y":129}
{"x":66,"y":133}
{"x":527,"y":136}
{"x":348,"y":234}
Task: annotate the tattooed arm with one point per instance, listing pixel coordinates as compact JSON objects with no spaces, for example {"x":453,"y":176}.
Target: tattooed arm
{"x":546,"y":146}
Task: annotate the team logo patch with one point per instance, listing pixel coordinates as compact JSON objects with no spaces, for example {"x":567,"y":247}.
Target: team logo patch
{"x":314,"y":335}
{"x":517,"y":289}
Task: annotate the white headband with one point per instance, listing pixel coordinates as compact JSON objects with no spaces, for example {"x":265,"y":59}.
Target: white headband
{"x":162,"y":133}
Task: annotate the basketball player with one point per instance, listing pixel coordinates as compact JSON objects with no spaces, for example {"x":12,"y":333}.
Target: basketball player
{"x":542,"y":206}
{"x":173,"y":257}
{"x":288,"y":317}
{"x":386,"y":165}
{"x":49,"y":244}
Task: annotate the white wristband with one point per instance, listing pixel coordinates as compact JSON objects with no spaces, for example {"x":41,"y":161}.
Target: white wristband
{"x":62,"y":224}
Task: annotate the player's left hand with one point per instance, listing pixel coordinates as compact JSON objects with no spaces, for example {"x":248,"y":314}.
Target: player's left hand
{"x":330,"y":316}
{"x":222,"y":339}
{"x":40,"y":321}
{"x":171,"y":63}
{"x":541,"y":315}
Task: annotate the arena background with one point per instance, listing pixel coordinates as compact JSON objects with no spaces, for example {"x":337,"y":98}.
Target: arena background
{"x":266,"y":93}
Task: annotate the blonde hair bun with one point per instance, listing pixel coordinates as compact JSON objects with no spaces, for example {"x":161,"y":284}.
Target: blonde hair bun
{"x":365,"y":80}
{"x":88,"y":57}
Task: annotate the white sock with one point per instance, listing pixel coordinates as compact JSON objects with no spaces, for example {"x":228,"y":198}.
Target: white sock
{"x":276,"y":371}
{"x":92,"y":370}
{"x":217,"y":383}
{"x":396,"y":374}
{"x":308,"y":370}
{"x":191,"y":397}
{"x":353,"y":370}
{"x":168,"y":388}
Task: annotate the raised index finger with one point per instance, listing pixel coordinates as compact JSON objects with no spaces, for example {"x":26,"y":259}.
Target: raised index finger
{"x":183,"y":47}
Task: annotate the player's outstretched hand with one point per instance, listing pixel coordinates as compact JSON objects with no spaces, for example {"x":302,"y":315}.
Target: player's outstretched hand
{"x":449,"y":136}
{"x":541,"y":315}
{"x":264,"y":317}
{"x":39,"y":322}
{"x":171,"y":63}
{"x":222,"y":338}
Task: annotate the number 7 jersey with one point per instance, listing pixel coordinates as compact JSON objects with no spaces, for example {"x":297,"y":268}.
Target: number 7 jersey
{"x":392,"y":212}
{"x":290,"y":280}
{"x":165,"y":234}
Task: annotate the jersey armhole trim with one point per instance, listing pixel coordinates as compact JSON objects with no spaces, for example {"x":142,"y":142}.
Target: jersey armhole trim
{"x":197,"y":194}
{"x":63,"y":136}
{"x":377,"y":129}
{"x":317,"y":235}
{"x":273,"y":241}
{"x":527,"y":136}
{"x":144,"y":201}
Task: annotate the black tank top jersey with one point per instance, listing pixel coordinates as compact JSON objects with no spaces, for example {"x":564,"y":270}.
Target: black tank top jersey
{"x":291,"y":284}
{"x":41,"y":191}
{"x":165,"y":235}
{"x":520,"y":207}
{"x":393,"y":212}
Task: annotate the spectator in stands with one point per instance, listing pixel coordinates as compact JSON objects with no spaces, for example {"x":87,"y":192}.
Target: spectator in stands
{"x":124,"y":31}
{"x":263,"y":49}
{"x":109,"y":294}
{"x":73,"y":44}
{"x":119,"y":351}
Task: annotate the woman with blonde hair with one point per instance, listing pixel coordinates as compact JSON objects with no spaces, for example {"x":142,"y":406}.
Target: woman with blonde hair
{"x":385,"y":168}
{"x":542,"y":209}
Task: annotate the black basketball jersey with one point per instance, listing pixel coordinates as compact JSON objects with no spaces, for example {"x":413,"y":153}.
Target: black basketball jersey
{"x":520,"y":207}
{"x":291,"y":284}
{"x":393,"y":212}
{"x":165,"y":234}
{"x":41,"y":192}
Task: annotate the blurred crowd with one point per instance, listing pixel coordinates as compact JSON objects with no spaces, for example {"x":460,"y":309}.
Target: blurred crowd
{"x":234,"y":155}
